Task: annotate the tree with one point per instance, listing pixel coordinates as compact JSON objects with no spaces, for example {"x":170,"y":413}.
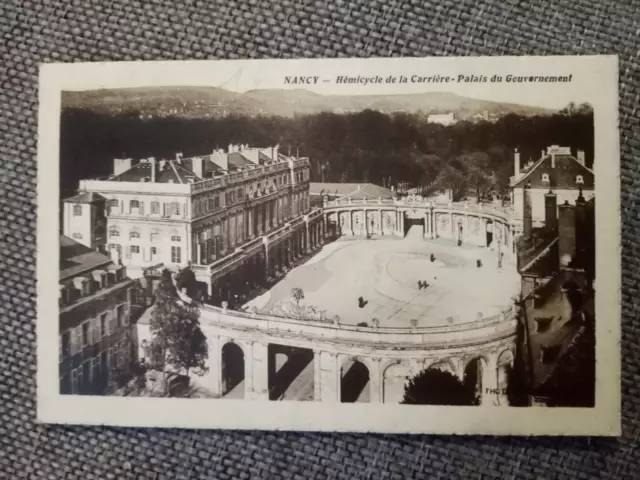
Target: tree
{"x":297,"y":294}
{"x":437,"y":387}
{"x":175,"y":327}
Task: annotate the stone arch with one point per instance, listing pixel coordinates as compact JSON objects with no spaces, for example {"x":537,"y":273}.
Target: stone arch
{"x":232,"y":369}
{"x":475,"y":370}
{"x":446,"y":365}
{"x":355,"y":380}
{"x":504,"y":364}
{"x":394,"y":379}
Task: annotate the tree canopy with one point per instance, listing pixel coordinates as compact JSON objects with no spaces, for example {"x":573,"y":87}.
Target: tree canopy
{"x":437,"y":387}
{"x":175,"y":328}
{"x":366,"y":146}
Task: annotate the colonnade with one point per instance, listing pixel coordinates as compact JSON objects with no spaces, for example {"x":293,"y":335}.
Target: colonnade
{"x":263,"y":262}
{"x":456,"y":223}
{"x":386,"y":376}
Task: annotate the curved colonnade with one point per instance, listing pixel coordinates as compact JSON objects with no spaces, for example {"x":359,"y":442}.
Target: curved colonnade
{"x":249,"y":348}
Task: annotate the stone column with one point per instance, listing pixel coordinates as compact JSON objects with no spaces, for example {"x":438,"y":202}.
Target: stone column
{"x":329,"y":377}
{"x":212,"y":380}
{"x":490,"y":390}
{"x":350,"y":226}
{"x":375,"y":381}
{"x":308,"y":244}
{"x":257,"y":371}
{"x":380,"y":226}
{"x":325,"y":220}
{"x":366,"y":223}
{"x":317,"y":377}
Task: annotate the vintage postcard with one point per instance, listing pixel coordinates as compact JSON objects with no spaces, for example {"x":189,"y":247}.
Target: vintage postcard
{"x":393,"y":245}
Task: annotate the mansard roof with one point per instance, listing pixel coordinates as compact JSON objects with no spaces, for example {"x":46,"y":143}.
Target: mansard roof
{"x":173,"y":172}
{"x":562,"y":171}
{"x":85,"y":197}
{"x":76,"y":258}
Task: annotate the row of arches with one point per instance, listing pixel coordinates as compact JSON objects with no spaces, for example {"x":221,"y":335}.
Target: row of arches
{"x":291,"y":375}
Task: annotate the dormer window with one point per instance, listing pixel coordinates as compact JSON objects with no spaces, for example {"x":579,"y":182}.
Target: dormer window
{"x":579,"y":180}
{"x":545,"y":178}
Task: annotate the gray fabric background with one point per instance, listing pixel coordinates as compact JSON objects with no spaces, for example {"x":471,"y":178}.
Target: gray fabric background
{"x":39,"y":31}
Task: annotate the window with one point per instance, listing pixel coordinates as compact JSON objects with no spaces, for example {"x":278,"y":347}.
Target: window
{"x":545,"y":177}
{"x":154,"y":237}
{"x":114,"y":233}
{"x":134,"y":204}
{"x":75,"y":380}
{"x":174,"y":208}
{"x":176,"y":238}
{"x":77,"y":210}
{"x":77,"y":236}
{"x":85,"y":334}
{"x":135,"y":249}
{"x":175,"y":255}
{"x":209,"y":204}
{"x":104,"y":325}
{"x":134,"y":234}
{"x":66,"y":344}
{"x":216,"y":201}
{"x":154,"y":251}
{"x":95,"y":368}
{"x":579,"y":179}
{"x":155,"y":207}
{"x":120,"y":316}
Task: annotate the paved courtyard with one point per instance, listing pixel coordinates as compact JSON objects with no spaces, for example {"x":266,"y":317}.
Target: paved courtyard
{"x":385,"y":272}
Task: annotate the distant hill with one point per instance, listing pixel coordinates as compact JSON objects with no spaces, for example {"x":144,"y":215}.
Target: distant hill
{"x":191,"y":102}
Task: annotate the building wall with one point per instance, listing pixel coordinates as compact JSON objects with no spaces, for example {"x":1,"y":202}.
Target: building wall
{"x":537,"y":201}
{"x":139,"y":224}
{"x":84,"y":223}
{"x":96,"y":339}
{"x":138,"y":243}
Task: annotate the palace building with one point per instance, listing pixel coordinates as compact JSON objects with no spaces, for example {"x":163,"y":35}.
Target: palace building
{"x":225,"y":213}
{"x":96,"y":336}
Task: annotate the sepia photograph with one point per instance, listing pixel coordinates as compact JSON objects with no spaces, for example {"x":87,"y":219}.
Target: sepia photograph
{"x":305,"y":236}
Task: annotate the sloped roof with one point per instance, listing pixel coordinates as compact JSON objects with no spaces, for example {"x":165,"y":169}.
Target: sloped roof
{"x":236,"y":159}
{"x":76,"y":258}
{"x":350,"y":190}
{"x":85,"y":197}
{"x":561,"y":175}
{"x":172,"y":172}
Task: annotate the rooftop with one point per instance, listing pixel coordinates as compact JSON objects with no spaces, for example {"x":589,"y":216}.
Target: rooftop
{"x":85,"y":197}
{"x":562,"y":169}
{"x":169,"y":172}
{"x":76,"y":258}
{"x":351,"y":190}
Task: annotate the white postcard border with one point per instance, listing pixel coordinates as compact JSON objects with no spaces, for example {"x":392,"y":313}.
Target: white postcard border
{"x":603,"y":419}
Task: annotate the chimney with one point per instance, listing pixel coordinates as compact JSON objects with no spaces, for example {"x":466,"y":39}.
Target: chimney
{"x":220,"y":159}
{"x":516,"y":163}
{"x":542,"y":154}
{"x":197,"y":164}
{"x":566,"y":234}
{"x":582,"y":234}
{"x":581,"y":157}
{"x":179,"y":157}
{"x":551,"y":211}
{"x":152,"y":166}
{"x":527,"y":221}
{"x":121,"y":165}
